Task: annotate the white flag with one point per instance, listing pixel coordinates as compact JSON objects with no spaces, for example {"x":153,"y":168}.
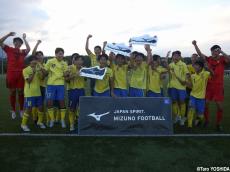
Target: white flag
{"x":144,"y":40}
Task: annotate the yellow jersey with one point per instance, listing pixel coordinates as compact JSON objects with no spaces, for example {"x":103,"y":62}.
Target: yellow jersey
{"x":56,"y":71}
{"x":179,"y":69}
{"x":139,"y":76}
{"x":42,"y":79}
{"x":154,"y":79}
{"x":31,"y":89}
{"x":191,"y":69}
{"x":199,"y":84}
{"x":78,"y":82}
{"x":104,"y":84}
{"x":93,"y":59}
{"x":120,"y":76}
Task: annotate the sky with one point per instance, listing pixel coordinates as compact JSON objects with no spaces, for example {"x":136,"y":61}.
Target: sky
{"x":66,"y":24}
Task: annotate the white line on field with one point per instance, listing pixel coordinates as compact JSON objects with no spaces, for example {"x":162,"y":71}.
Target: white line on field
{"x":76,"y":135}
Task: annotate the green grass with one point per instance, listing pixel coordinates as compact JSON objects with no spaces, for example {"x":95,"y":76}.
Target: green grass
{"x":99,"y":154}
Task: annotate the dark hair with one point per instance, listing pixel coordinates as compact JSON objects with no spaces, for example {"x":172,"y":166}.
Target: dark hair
{"x":120,"y":55}
{"x":214,"y":47}
{"x":134,"y":53}
{"x":199,"y":63}
{"x":194,"y":54}
{"x":156,"y":57}
{"x":75,"y":56}
{"x":176,"y":52}
{"x":103,"y":55}
{"x":99,"y":47}
{"x":31,"y":58}
{"x":39,"y":52}
{"x":57,"y":50}
{"x":140,"y":54}
{"x":18,"y":39}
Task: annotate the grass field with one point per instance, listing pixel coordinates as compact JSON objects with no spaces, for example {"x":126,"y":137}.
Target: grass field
{"x":25,"y":153}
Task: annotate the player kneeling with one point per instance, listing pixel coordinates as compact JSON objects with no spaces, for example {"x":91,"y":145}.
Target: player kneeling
{"x":32,"y":94}
{"x":198,"y":83}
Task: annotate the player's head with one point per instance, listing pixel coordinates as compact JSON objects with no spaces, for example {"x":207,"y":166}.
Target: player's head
{"x":157,"y":58}
{"x":120,"y":59}
{"x":215,"y":50}
{"x":39,"y":55}
{"x":139,"y":58}
{"x":134,"y":54}
{"x":194,"y":57}
{"x":198,"y":65}
{"x":103,"y":60}
{"x":59,"y":53}
{"x":32,"y":61}
{"x":176,"y":56}
{"x":77,"y":60}
{"x":97,"y":50}
{"x":17,"y":42}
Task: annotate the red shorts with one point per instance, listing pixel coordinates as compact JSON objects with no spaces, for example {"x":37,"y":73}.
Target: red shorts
{"x":14,"y":80}
{"x":215,"y":92}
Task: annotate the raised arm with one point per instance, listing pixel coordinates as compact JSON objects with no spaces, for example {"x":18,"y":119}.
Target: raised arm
{"x":226,"y":56}
{"x":2,"y":40}
{"x":26,"y":43}
{"x":36,"y":47}
{"x":104,"y":45}
{"x":149,"y":54}
{"x":87,"y":45}
{"x":198,"y":50}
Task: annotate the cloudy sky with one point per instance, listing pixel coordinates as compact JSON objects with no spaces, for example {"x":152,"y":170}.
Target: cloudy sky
{"x":66,"y":23}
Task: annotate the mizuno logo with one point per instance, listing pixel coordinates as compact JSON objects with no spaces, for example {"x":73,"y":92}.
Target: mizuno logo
{"x":98,"y":117}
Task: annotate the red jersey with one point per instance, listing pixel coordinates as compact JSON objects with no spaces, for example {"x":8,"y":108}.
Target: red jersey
{"x":217,"y":66}
{"x":15,"y":58}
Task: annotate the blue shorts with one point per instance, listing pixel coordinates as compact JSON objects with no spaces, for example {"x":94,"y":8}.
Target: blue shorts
{"x":104,"y":94}
{"x":55,"y":92}
{"x":169,"y":92}
{"x":33,"y":102}
{"x":162,"y":92}
{"x":197,"y":104}
{"x":74,"y":96}
{"x":153,"y":94}
{"x":135,"y":92}
{"x":120,"y":92}
{"x":43,"y":93}
{"x":178,"y":95}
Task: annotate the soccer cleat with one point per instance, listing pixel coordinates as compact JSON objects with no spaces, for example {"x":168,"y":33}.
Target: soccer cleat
{"x":25,"y":128}
{"x":13,"y":115}
{"x":41,"y":125}
{"x":182,"y":121}
{"x":63,"y":124}
{"x":72,"y":127}
{"x":51,"y":123}
{"x":21,"y":113}
{"x":177,"y":119}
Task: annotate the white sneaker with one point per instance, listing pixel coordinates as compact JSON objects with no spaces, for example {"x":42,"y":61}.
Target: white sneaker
{"x":41,"y":125}
{"x":177,"y":119}
{"x":51,"y":123}
{"x":13,"y":115}
{"x":182,"y":121}
{"x":25,"y":128}
{"x":21,"y":113}
{"x":63,"y":124}
{"x":71,"y":128}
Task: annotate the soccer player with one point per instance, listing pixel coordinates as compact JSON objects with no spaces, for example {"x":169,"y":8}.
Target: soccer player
{"x":155,"y":72}
{"x":75,"y":87}
{"x":138,"y":69}
{"x":198,"y":83}
{"x":215,"y":88}
{"x":15,"y":65}
{"x":104,"y":87}
{"x":32,"y":94}
{"x":177,"y":88}
{"x":56,"y":70}
{"x":120,"y":70}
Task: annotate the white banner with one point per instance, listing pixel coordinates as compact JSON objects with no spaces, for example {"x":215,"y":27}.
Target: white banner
{"x":118,"y":49}
{"x":93,"y":72}
{"x":144,"y":40}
